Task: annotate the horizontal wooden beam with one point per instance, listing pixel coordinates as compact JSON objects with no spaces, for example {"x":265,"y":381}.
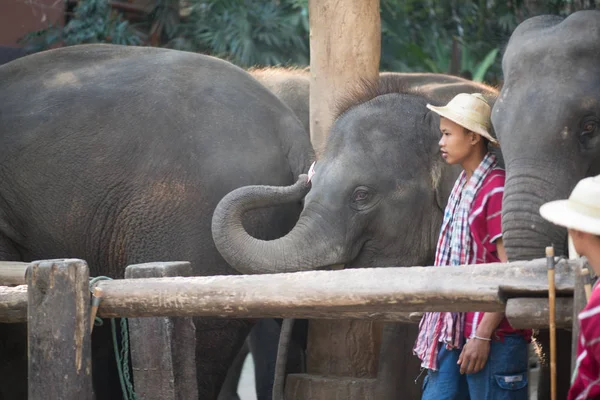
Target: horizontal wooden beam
{"x":13,"y":304}
{"x":368,"y":293}
{"x":13,"y":272}
{"x":532,"y":313}
{"x":375,"y":293}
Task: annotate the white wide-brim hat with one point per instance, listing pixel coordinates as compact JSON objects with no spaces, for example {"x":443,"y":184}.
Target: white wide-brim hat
{"x":581,"y":211}
{"x":470,"y":111}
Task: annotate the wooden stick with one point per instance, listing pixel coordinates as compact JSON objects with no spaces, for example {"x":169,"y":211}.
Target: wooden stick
{"x":552,"y":317}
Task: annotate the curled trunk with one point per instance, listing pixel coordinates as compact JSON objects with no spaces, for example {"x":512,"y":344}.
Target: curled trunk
{"x":302,"y":249}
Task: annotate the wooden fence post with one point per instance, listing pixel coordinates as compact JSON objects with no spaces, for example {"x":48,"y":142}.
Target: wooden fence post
{"x":163,"y":350}
{"x":59,"y":342}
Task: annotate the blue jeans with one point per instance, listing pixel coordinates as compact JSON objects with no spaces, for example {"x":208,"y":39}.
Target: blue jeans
{"x":504,"y":376}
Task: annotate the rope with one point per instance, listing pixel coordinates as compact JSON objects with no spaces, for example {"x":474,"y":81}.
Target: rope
{"x":121,"y":356}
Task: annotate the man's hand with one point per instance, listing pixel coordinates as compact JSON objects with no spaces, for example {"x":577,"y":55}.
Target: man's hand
{"x":473,"y":356}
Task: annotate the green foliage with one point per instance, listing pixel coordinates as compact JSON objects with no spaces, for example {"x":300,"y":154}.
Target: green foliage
{"x":419,"y":36}
{"x":247,"y":32}
{"x":445,"y":36}
{"x":93,"y":22}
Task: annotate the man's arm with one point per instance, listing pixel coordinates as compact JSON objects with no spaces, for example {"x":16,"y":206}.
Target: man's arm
{"x":475,"y":353}
{"x":491,"y":320}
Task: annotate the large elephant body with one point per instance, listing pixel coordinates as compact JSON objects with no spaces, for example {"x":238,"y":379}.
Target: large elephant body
{"x":548,"y":122}
{"x":290,"y":85}
{"x":118,"y":155}
{"x":376,"y":200}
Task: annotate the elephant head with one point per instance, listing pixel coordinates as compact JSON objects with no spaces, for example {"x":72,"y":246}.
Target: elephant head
{"x":376,"y":197}
{"x":547,"y":119}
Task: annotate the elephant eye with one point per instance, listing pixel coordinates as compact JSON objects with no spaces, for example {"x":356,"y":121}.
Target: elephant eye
{"x":360,"y":195}
{"x":588,"y":128}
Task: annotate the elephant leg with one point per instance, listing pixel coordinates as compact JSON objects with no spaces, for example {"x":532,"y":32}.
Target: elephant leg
{"x":105,"y":374}
{"x":563,"y":363}
{"x":13,"y":361}
{"x":218,"y":341}
{"x":398,"y":367}
{"x":13,"y":343}
{"x":229,"y":390}
{"x":264,"y":340}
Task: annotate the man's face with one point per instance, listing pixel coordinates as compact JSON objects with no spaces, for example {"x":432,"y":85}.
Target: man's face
{"x":456,"y":143}
{"x":582,"y":241}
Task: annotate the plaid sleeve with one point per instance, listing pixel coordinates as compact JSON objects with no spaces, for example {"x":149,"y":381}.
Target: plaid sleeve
{"x":494,"y":214}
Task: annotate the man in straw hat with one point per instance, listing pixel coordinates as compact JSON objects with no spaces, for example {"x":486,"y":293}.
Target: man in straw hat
{"x":580,"y":214}
{"x":471,"y":355}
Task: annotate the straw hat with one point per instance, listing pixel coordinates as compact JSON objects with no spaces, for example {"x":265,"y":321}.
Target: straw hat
{"x":581,"y":211}
{"x":470,"y":111}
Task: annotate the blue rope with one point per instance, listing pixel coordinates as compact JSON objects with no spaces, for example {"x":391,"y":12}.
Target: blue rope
{"x":121,"y":356}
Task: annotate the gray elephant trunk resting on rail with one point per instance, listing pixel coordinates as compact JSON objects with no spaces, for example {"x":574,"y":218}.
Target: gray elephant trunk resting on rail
{"x":118,"y":155}
{"x":548,"y":121}
{"x":376,"y":199}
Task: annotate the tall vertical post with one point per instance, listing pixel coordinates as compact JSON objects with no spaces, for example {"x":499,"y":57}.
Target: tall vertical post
{"x":59,"y":342}
{"x":163,"y":350}
{"x":345,"y":46}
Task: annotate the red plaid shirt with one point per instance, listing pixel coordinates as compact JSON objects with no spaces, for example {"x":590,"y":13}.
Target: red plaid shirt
{"x":586,"y":382}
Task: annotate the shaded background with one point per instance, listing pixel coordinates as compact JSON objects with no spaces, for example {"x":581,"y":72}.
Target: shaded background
{"x":449,"y":36}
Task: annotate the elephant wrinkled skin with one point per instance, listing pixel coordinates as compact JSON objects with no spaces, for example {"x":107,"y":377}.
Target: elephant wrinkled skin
{"x":118,"y":155}
{"x":547,"y":118}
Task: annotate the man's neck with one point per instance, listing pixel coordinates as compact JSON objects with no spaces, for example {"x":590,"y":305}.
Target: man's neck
{"x":471,"y":163}
{"x":594,"y":259}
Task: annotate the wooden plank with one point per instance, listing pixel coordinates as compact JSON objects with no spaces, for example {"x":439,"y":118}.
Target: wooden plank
{"x":13,"y":304}
{"x":370,"y":293}
{"x":345,"y":47}
{"x":59,"y":343}
{"x":13,"y":272}
{"x":386,"y":294}
{"x":532,"y":313}
{"x":163,"y":350}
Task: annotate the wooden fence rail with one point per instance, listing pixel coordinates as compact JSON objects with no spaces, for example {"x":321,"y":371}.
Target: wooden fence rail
{"x":55,"y":303}
{"x":371,"y":293}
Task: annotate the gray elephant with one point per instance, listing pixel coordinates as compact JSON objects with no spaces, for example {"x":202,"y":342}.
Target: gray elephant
{"x":548,"y":122}
{"x":290,"y":85}
{"x":118,"y":155}
{"x":376,"y":200}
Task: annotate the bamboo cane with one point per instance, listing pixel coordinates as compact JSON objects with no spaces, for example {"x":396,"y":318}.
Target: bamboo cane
{"x":552,"y":319}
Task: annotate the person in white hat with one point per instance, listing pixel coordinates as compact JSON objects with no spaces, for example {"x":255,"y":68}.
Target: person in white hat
{"x":580,"y":214}
{"x":471,"y":355}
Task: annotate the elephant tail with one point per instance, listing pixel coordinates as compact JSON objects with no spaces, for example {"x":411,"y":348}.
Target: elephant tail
{"x":282,"y":356}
